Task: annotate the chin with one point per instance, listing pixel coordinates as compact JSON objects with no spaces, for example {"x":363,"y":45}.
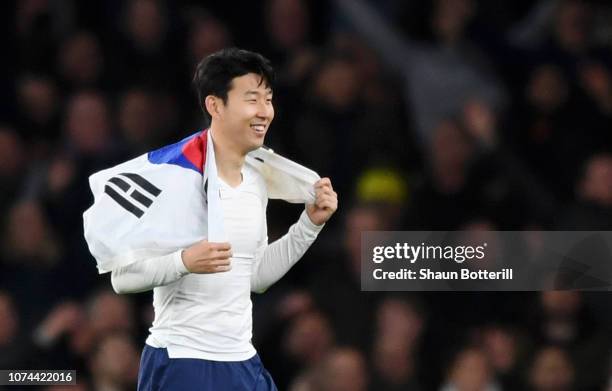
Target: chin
{"x":254,"y":145}
{"x":259,"y":141}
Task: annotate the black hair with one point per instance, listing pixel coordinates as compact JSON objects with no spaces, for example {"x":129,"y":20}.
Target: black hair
{"x":214,"y":74}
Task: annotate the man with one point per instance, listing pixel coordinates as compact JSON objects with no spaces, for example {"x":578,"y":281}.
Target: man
{"x":200,"y":339}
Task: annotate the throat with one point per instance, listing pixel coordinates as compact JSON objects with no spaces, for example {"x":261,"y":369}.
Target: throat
{"x":229,"y":161}
{"x":233,"y":180}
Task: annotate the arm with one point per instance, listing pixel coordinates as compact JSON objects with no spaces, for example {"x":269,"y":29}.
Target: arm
{"x":532,"y":29}
{"x":201,"y":257}
{"x":274,"y":260}
{"x":149,"y":273}
{"x":395,"y":51}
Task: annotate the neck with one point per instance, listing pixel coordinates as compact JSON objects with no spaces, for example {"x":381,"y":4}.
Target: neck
{"x":228,"y":156}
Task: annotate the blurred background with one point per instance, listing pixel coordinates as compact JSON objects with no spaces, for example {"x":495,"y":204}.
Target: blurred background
{"x":427,"y":115}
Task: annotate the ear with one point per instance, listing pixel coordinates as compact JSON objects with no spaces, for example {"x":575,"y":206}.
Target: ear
{"x":212,"y":104}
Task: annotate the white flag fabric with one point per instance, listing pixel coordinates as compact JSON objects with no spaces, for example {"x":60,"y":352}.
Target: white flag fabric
{"x":216,"y":231}
{"x":168,"y":199}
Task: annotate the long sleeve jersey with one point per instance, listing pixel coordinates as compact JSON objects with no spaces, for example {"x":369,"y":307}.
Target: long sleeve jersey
{"x":209,"y":316}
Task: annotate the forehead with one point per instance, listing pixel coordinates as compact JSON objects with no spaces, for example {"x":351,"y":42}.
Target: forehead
{"x":250,"y":82}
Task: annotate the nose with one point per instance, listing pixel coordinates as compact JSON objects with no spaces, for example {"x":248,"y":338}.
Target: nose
{"x":265,"y":111}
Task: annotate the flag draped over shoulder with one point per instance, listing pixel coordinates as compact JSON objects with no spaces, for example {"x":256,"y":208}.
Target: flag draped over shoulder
{"x":168,"y":199}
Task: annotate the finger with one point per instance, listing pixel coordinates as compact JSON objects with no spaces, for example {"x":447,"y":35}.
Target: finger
{"x":222,"y":246}
{"x":211,"y":250}
{"x":328,"y":203}
{"x":222,"y":254}
{"x":218,"y":262}
{"x":323,"y":185}
{"x":219,"y":269}
{"x":326,"y":191}
{"x":326,"y":197}
{"x":323,"y":182}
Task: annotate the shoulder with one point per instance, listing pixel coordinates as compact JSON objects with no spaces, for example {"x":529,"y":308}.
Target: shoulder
{"x":188,"y":153}
{"x":175,"y":166}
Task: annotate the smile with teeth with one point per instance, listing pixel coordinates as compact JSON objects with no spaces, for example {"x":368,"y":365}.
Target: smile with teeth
{"x":259,"y":128}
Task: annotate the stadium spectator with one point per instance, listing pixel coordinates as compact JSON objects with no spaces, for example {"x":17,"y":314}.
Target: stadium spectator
{"x":461,"y":70}
{"x":564,"y":320}
{"x":143,"y":43}
{"x":344,"y":369}
{"x":81,"y":62}
{"x":386,"y":188}
{"x":109,"y":313}
{"x":307,"y":341}
{"x":501,"y":345}
{"x":63,"y":339}
{"x":114,"y":363}
{"x":335,"y":286}
{"x":38,"y":112}
{"x":12,"y":166}
{"x":397,"y":345}
{"x":595,"y":80}
{"x":287,"y":27}
{"x":551,"y":370}
{"x":70,"y":331}
{"x":12,"y":352}
{"x":440,"y":199}
{"x":207,"y":35}
{"x":328,"y":117}
{"x":470,"y":370}
{"x":309,"y":338}
{"x":33,"y":259}
{"x":593,"y":209}
{"x":138,"y":121}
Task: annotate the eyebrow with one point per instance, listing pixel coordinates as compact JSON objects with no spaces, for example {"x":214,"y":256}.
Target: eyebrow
{"x":253,"y":92}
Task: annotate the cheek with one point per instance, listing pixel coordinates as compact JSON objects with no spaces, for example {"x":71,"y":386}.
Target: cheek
{"x":246,"y":112}
{"x":237,"y":114}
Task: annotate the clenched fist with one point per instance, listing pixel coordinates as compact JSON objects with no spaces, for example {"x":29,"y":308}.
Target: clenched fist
{"x":326,"y":202}
{"x":207,"y":257}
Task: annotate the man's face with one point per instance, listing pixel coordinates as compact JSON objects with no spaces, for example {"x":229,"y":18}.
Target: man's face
{"x":248,"y":112}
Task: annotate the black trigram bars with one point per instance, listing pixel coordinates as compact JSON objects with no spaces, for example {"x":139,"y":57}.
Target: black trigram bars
{"x":125,"y":200}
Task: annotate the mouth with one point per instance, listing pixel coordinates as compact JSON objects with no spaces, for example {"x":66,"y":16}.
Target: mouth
{"x":259,"y":129}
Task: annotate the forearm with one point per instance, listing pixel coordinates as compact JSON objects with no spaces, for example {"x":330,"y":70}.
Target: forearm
{"x":531,"y":30}
{"x":149,"y":273}
{"x":275,"y":260}
{"x":394,"y":50}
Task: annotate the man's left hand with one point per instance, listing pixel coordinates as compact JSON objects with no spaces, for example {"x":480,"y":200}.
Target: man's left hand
{"x":326,"y":202}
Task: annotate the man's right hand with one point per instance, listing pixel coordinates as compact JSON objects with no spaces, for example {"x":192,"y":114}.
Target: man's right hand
{"x":207,"y":257}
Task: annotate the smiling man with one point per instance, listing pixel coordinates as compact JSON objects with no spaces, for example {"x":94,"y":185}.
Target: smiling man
{"x":201,"y":335}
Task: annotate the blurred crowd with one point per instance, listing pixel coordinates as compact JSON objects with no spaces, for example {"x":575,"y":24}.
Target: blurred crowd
{"x":427,"y":115}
